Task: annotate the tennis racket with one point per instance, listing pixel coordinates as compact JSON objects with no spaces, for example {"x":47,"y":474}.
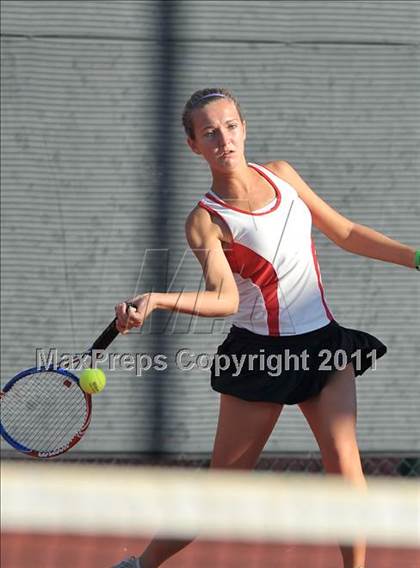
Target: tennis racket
{"x":44,"y":411}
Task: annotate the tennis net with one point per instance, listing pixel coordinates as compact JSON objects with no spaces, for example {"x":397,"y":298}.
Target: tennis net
{"x":89,"y":516}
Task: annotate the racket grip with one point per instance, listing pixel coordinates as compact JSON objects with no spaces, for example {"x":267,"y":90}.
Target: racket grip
{"x":106,"y":337}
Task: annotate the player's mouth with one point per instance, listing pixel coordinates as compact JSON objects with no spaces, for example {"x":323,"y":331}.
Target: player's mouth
{"x":226,"y":155}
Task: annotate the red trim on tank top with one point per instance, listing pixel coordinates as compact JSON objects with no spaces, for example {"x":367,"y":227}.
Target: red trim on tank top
{"x":318,"y":276}
{"x":214,"y":212}
{"x":249,"y":264}
{"x":209,"y":209}
{"x":268,"y":170}
{"x":270,"y":181}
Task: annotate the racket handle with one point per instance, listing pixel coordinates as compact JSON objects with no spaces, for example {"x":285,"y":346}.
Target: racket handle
{"x":106,"y":337}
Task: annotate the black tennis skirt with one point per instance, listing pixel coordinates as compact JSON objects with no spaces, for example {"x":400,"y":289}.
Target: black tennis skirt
{"x":289,"y":369}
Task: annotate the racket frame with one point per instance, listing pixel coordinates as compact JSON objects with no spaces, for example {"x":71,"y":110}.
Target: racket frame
{"x":101,"y":343}
{"x":77,"y":436}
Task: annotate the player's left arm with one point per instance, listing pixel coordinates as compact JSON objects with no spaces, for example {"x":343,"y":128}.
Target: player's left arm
{"x":348,"y":235}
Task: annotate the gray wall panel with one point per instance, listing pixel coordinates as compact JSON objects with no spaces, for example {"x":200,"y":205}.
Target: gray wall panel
{"x":81,"y":18}
{"x":283,"y":21}
{"x":298,"y":21}
{"x":332,"y":87}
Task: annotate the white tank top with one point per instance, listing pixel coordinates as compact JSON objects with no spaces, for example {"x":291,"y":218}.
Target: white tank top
{"x":274,"y":262}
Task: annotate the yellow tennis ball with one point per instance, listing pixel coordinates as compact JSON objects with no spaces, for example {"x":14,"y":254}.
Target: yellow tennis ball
{"x":92,"y":381}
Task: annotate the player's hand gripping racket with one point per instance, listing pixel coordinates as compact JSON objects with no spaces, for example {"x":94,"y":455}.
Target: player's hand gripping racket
{"x":44,"y":412}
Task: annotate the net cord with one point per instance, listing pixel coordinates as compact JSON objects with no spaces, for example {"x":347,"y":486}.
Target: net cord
{"x":213,"y":505}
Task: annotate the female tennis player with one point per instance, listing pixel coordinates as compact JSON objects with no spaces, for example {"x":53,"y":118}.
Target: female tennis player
{"x":251,"y":234}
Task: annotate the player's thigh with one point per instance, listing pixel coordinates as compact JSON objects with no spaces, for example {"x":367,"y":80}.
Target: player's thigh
{"x":332,"y":415}
{"x":242,"y":431}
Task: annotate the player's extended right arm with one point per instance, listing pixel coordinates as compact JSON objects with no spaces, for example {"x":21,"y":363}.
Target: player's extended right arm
{"x":219,"y":299}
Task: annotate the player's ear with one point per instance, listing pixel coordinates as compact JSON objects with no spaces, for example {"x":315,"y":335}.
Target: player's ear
{"x":192,"y":144}
{"x":244,"y":126}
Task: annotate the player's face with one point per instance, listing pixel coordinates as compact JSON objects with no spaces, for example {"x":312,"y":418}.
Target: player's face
{"x":219,"y":135}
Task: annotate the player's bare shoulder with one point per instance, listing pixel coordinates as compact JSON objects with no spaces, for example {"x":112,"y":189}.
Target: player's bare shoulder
{"x":198,"y":226}
{"x":279,"y":167}
{"x":202,"y":225}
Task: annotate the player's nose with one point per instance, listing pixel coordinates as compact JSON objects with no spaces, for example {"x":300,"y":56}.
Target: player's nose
{"x":224,"y":138}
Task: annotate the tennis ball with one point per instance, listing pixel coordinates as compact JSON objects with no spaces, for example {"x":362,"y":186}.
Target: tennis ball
{"x":92,"y":380}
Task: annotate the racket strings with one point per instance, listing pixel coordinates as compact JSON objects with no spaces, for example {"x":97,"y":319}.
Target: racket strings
{"x":45,"y":422}
{"x":44,"y":411}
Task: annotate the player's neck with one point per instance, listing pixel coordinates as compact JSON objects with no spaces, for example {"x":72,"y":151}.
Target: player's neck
{"x":234,"y":184}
